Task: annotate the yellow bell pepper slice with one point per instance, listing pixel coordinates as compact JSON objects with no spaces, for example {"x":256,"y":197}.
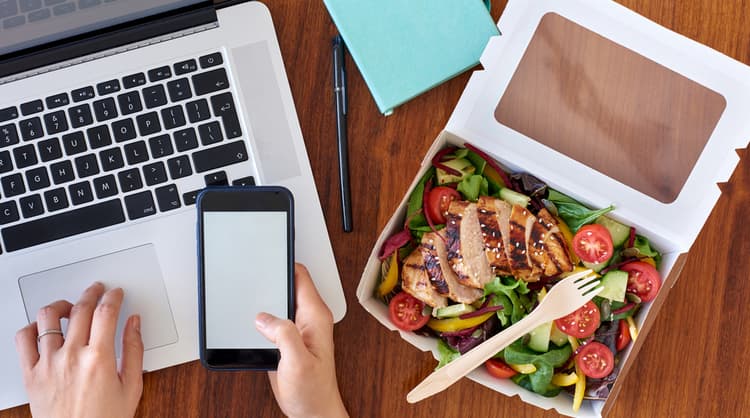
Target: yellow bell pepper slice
{"x":391,"y":278}
{"x":632,"y":328}
{"x":649,"y":260}
{"x":578,"y":269}
{"x":580,"y":389}
{"x":563,"y":379}
{"x":568,"y":235}
{"x":457,"y":324}
{"x":523,"y":368}
{"x":493,"y":175}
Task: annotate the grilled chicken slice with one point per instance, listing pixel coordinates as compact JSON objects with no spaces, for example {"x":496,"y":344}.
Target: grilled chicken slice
{"x":415,"y":280}
{"x":494,"y":247}
{"x":555,"y":246}
{"x":443,"y":278}
{"x":516,"y":248}
{"x":466,"y":245}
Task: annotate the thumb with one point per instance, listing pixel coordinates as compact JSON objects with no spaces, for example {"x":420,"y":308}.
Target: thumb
{"x":284,"y":334}
{"x":131,"y":368}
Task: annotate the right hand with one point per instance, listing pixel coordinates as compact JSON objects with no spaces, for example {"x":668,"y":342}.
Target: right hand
{"x":305,"y":383}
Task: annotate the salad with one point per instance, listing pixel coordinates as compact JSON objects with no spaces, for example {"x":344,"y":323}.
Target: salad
{"x":480,"y":249}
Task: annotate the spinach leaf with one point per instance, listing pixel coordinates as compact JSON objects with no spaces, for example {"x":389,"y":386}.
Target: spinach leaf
{"x":573,"y":213}
{"x":446,"y":354}
{"x":524,"y":380}
{"x":416,"y":201}
{"x":498,"y":287}
{"x":644,"y":247}
{"x":472,"y":187}
{"x":545,"y":363}
{"x":476,"y":160}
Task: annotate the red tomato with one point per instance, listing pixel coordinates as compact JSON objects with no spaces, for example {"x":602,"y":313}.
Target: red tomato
{"x":438,"y":201}
{"x":499,"y":368}
{"x":623,"y":338}
{"x":593,"y":244}
{"x":643,"y":280}
{"x":595,"y":360}
{"x":582,"y":322}
{"x":406,"y":312}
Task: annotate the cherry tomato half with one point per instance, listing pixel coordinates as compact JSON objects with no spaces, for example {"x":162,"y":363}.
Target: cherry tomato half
{"x":643,"y":280}
{"x":499,"y":368}
{"x":595,"y":360}
{"x":438,"y":201}
{"x":593,"y":244}
{"x":623,"y":337}
{"x":582,"y":322}
{"x":406,"y":312}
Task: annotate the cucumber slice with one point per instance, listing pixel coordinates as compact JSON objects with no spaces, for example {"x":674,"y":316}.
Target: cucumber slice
{"x":452,"y":311}
{"x":596,"y":267}
{"x":460,"y":164}
{"x":614,"y":283}
{"x":619,"y":232}
{"x":558,"y":337}
{"x":539,"y":337}
{"x":514,"y":198}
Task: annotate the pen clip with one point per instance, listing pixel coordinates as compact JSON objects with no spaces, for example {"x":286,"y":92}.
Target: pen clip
{"x":339,"y":71}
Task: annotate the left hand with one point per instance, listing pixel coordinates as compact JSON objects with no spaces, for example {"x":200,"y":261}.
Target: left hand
{"x":77,"y":376}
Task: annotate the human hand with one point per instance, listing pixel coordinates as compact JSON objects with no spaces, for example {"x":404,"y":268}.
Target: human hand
{"x":305,"y":383}
{"x":77,"y":376}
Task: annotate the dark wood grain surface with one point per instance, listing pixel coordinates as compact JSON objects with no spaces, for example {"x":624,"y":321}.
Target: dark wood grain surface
{"x":694,"y":360}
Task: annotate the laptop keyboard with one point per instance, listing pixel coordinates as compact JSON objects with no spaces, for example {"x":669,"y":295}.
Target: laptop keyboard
{"x":113,"y":152}
{"x":14,"y":13}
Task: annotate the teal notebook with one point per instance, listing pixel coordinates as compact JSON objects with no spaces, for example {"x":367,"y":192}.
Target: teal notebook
{"x":405,"y":47}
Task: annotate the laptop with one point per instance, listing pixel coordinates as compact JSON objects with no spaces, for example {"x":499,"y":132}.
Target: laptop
{"x":114,"y":114}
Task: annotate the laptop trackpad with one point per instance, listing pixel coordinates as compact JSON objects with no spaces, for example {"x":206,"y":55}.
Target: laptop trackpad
{"x":136,"y":270}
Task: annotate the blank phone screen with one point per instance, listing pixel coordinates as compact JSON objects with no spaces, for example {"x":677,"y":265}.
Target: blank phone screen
{"x":245,"y":266}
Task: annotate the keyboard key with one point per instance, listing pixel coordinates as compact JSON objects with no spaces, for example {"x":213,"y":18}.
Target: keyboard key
{"x":86,"y":166}
{"x":53,"y":2}
{"x":211,"y":60}
{"x":198,"y":110}
{"x":185,"y":67}
{"x":223,"y":107}
{"x":148,"y":124}
{"x":85,"y":4}
{"x":179,"y":167}
{"x":124,"y":130}
{"x":31,"y":129}
{"x":62,"y":172}
{"x":8,"y":8}
{"x":179,"y":90}
{"x":210,"y":133}
{"x":14,"y":21}
{"x":140,"y":205}
{"x":130,"y":102}
{"x":66,"y":224}
{"x":216,"y":179}
{"x":173,"y":117}
{"x":136,"y":152}
{"x":57,"y":100}
{"x":154,"y":96}
{"x":25,"y":156}
{"x":56,"y":199}
{"x":31,"y":206}
{"x":82,"y":94}
{"x":160,"y":146}
{"x":8,"y":212}
{"x":220,"y":156}
{"x":29,"y":5}
{"x":64,"y":9}
{"x":74,"y":143}
{"x":38,"y":15}
{"x":80,"y":116}
{"x":160,"y":73}
{"x":105,"y":186}
{"x":55,"y":122}
{"x":8,"y":135}
{"x":167,"y":197}
{"x":130,"y":180}
{"x":8,"y":113}
{"x":37,"y":178}
{"x":210,"y":81}
{"x":190,"y":197}
{"x":49,"y":149}
{"x":111,"y":159}
{"x":13,"y":185}
{"x":244,"y":181}
{"x":80,"y":193}
{"x":185,"y":139}
{"x":99,"y":136}
{"x":105,"y":109}
{"x":30,"y":108}
{"x":134,"y":80}
{"x":108,"y":87}
{"x":5,"y":162}
{"x":155,"y":173}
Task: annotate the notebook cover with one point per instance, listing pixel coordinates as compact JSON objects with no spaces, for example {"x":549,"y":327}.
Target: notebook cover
{"x":405,"y":47}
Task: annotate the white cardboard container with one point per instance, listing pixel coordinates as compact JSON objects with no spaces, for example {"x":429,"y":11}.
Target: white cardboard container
{"x":672,"y":219}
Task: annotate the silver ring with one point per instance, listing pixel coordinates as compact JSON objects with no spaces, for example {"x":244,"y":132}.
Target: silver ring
{"x":47,"y":332}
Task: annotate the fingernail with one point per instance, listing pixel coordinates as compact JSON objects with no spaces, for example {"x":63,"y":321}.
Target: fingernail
{"x":262,"y":320}
{"x":137,"y":323}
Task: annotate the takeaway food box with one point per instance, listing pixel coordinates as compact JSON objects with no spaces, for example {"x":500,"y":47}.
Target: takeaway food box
{"x":609,"y":108}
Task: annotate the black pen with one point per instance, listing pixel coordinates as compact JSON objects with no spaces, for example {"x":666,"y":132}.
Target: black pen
{"x":339,"y":92}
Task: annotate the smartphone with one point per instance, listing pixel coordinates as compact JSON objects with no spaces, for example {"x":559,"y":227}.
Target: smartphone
{"x":245,"y":266}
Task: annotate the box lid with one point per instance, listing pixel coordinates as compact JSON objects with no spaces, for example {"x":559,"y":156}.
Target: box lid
{"x":604,"y":104}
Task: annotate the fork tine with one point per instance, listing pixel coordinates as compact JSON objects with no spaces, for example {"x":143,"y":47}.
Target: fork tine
{"x":591,"y":289}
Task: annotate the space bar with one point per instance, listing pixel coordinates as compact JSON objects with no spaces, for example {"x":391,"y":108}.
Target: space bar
{"x":64,"y":225}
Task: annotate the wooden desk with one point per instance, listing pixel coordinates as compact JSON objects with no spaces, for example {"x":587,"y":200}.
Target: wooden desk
{"x":694,"y":361}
